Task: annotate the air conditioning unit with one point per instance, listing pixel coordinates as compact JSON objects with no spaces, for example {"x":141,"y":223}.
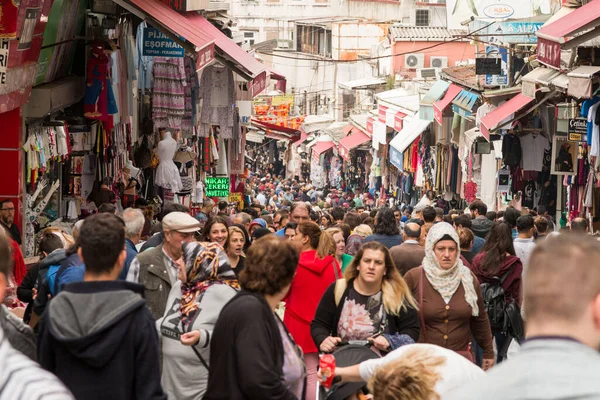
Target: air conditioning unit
{"x":414,"y":61}
{"x":428,"y":73}
{"x":438,"y":62}
{"x":284,"y":44}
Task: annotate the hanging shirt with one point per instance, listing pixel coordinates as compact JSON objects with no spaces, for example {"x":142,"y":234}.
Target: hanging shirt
{"x":595,"y":150}
{"x":532,"y":149}
{"x":585,"y":110}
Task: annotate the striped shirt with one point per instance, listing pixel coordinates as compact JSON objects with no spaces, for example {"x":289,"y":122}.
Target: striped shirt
{"x":21,"y":378}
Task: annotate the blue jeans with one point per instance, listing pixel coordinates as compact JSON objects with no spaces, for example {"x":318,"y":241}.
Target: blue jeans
{"x":500,"y":339}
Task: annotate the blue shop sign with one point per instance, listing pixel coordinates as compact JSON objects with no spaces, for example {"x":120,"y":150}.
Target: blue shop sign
{"x":523,"y":31}
{"x":158,"y":44}
{"x":397,"y":158}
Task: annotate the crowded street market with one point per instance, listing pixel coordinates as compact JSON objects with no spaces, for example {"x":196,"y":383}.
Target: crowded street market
{"x":273,"y":199}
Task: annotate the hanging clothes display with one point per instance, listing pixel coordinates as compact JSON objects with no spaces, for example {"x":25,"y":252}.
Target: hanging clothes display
{"x":168,"y":95}
{"x":217,"y":92}
{"x":167,"y":174}
{"x":99,"y":100}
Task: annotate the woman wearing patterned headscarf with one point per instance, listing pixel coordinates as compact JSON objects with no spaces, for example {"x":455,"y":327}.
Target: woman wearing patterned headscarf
{"x":206,"y":283}
{"x":450,"y":302}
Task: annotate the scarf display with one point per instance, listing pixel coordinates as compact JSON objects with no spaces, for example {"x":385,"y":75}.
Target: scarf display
{"x":446,"y":282}
{"x":207,"y":264}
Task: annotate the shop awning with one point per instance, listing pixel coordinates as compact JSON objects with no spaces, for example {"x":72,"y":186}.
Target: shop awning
{"x":464,"y":103}
{"x":434,"y":94}
{"x":303,"y":137}
{"x":363,"y":83}
{"x":491,"y":121}
{"x":584,"y":72}
{"x":277,"y":132}
{"x":313,"y":123}
{"x":321,"y":147}
{"x":440,"y":105}
{"x":352,"y":141}
{"x":562,"y":30}
{"x":199,"y":34}
{"x":399,"y":100}
{"x":413,"y":128}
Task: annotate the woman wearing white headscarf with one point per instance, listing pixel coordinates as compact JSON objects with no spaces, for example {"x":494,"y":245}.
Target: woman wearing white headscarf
{"x":449,"y":297}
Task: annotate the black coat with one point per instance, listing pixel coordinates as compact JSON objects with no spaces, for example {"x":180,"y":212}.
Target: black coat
{"x":328,"y":314}
{"x":246,"y":352}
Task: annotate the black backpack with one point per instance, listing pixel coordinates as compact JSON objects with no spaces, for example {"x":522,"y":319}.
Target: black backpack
{"x":494,"y":301}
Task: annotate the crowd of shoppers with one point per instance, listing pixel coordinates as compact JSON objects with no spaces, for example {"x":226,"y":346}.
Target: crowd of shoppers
{"x":240,"y":305}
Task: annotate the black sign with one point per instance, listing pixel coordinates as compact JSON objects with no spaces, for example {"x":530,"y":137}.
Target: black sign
{"x":488,"y":66}
{"x":578,"y":130}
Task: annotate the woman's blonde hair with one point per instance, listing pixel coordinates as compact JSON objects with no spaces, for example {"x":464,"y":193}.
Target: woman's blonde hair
{"x":466,"y":238}
{"x":410,"y":377}
{"x":363,"y":230}
{"x":67,"y":239}
{"x":232,"y":230}
{"x":394,"y":290}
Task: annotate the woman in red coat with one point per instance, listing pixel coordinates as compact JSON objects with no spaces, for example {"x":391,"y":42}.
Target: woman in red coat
{"x":317,"y":269}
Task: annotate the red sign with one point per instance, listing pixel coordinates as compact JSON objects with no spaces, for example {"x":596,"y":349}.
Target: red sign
{"x":438,"y":115}
{"x":259,"y":84}
{"x":548,"y":52}
{"x":9,"y":10}
{"x":370,"y":126}
{"x":382,"y":111}
{"x":177,"y":5}
{"x":205,"y":56}
{"x":399,"y":121}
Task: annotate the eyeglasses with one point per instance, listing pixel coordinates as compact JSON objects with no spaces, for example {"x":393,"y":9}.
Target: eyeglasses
{"x":8,"y":209}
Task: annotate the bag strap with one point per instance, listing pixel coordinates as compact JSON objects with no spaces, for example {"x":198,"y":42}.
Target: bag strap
{"x":202,"y":360}
{"x":421,"y":317}
{"x":340,"y":288}
{"x":505,"y":275}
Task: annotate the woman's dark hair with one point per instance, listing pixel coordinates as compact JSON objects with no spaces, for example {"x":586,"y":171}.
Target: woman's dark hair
{"x":345,"y":230}
{"x":291,"y":225}
{"x":385,"y":222}
{"x":498,"y":242}
{"x":352,"y":219}
{"x":209,"y":224}
{"x":270,"y":265}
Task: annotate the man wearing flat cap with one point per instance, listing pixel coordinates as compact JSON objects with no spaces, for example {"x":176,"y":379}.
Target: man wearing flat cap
{"x":157,"y":268}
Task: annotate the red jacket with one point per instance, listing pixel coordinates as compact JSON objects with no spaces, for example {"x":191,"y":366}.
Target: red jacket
{"x":512,"y":284}
{"x":313,"y":277}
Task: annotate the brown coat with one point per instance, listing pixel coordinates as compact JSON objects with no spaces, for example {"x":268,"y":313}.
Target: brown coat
{"x":407,"y":256}
{"x":450,"y":325}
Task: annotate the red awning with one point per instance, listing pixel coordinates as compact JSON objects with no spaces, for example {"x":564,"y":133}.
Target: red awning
{"x":321,"y":147}
{"x":352,"y":141}
{"x":584,"y":18}
{"x":276,"y":75}
{"x":278,"y":132}
{"x":303,"y":137}
{"x":440,"y":105}
{"x":198,"y":31}
{"x":491,"y":121}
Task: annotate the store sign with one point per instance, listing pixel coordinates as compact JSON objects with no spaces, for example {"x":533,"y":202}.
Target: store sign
{"x":399,"y":121}
{"x":396,"y":158}
{"x":548,"y":52}
{"x":259,"y":84}
{"x":458,"y":11}
{"x":4,"y":45}
{"x":205,"y":56}
{"x":157,"y":44}
{"x":507,"y":31}
{"x":237,"y":198}
{"x":9,"y":11}
{"x":491,"y":66}
{"x":498,"y":75}
{"x":578,"y":130}
{"x":381,"y":113}
{"x":216,"y":186}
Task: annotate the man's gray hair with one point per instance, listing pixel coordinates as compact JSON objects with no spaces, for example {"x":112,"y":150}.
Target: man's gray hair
{"x":208,"y":202}
{"x":134,"y":221}
{"x":245,"y":217}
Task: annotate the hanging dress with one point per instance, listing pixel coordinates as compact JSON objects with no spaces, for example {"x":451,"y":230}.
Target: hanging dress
{"x":167,"y":174}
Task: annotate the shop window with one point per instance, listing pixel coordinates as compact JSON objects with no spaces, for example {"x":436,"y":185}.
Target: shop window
{"x":421,"y":17}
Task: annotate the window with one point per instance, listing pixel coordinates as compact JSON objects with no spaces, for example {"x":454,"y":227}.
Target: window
{"x":313,"y":40}
{"x":249,"y":37}
{"x":422,"y":18}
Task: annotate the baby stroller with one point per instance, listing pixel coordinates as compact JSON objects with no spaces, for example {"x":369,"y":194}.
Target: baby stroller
{"x":347,"y":354}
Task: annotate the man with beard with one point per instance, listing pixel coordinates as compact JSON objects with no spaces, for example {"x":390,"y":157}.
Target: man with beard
{"x":7,"y":219}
